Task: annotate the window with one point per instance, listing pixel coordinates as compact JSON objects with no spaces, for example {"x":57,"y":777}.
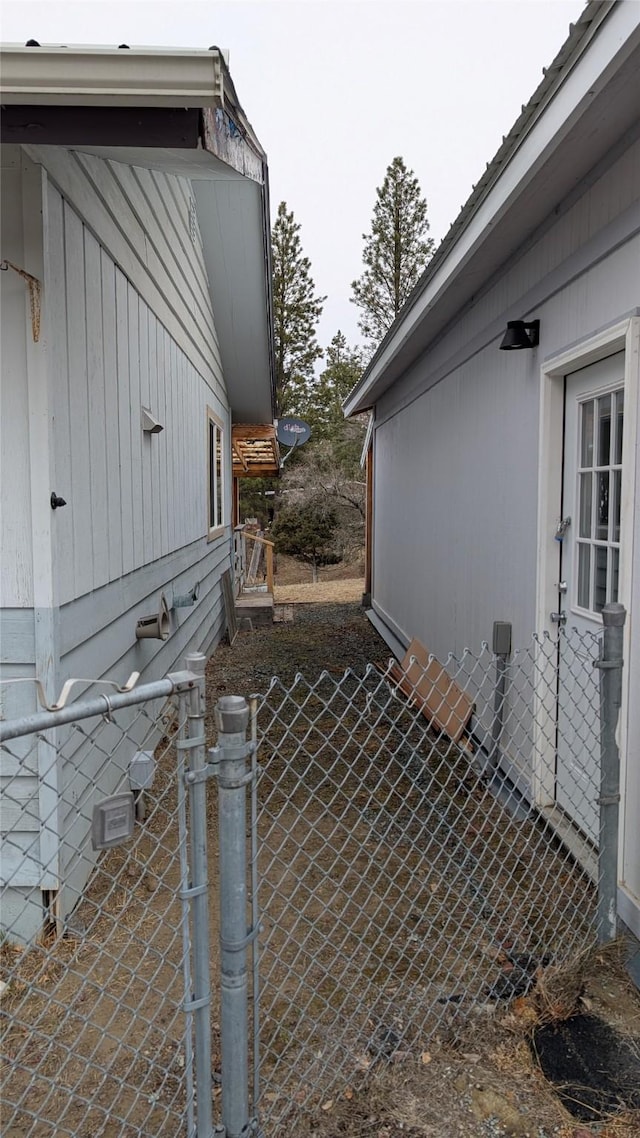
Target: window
{"x":215,"y":495}
{"x":599,"y":494}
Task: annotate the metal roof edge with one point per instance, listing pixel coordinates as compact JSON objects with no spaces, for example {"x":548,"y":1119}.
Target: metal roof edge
{"x":94,"y":76}
{"x":580,"y":36}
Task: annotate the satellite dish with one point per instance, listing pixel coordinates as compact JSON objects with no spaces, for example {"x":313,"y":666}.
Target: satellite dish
{"x":293,"y":432}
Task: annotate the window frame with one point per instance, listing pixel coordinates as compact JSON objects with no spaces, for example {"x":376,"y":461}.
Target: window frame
{"x":216,"y":480}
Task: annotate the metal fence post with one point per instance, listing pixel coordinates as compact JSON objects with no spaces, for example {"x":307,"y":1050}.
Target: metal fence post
{"x":501,"y":651}
{"x":610,"y":663}
{"x":198,"y":893}
{"x":232,"y":717}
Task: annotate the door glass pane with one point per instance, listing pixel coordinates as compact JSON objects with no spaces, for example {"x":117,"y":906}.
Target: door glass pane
{"x":600,"y":580}
{"x":585,"y":504}
{"x":584,"y":552}
{"x":619,"y":423}
{"x":586,"y":443}
{"x":615,"y":566}
{"x":602,"y":506}
{"x":604,"y":430}
{"x":617,"y":490}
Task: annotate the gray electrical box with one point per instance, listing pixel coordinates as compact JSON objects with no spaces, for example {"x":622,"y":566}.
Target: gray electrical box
{"x":112,"y":821}
{"x":501,"y":638}
{"x":141,"y":770}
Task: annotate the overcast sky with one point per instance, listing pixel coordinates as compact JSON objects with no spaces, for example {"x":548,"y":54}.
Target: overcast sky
{"x":335,"y":91}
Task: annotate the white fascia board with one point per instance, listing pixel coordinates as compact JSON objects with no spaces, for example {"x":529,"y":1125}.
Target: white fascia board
{"x":616,"y":39}
{"x":93,"y":76}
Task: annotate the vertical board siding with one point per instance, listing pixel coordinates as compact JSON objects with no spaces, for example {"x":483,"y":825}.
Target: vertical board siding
{"x":56,"y":302}
{"x":97,"y":411}
{"x":124,"y":428}
{"x":144,"y":217}
{"x":78,"y":495}
{"x":16,"y":572}
{"x":133,"y":497}
{"x":111,"y":412}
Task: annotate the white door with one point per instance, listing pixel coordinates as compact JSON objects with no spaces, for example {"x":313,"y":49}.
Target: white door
{"x":589,"y":574}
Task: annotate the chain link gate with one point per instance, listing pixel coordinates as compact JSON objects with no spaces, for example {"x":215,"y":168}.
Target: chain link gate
{"x":105,"y":997}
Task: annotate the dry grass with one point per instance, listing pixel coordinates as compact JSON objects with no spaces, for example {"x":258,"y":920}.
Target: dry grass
{"x":322,"y":592}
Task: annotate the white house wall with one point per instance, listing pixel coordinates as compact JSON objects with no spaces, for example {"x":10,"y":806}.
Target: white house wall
{"x":16,"y":572}
{"x":457,"y":444}
{"x":127,"y":322}
{"x":19,"y":768}
{"x":456,"y":439}
{"x":136,"y":522}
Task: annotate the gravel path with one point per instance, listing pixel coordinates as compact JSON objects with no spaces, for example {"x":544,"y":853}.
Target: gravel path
{"x":320,"y":636}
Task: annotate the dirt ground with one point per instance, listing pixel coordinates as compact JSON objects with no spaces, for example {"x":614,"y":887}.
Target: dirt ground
{"x":93,"y":1024}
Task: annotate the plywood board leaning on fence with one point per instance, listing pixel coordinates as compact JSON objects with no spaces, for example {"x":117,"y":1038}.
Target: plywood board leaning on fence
{"x":229,"y":606}
{"x":429,"y":687}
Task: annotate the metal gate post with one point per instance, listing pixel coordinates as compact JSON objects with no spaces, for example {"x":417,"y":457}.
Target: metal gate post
{"x":232,"y":717}
{"x":198,"y":893}
{"x":610,"y":663}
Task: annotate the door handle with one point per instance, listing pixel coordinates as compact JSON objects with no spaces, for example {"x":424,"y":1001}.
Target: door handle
{"x":558,"y":618}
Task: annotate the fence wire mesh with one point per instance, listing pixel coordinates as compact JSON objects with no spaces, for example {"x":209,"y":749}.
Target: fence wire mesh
{"x":403,"y":878}
{"x":93,"y":984}
{"x":402,"y":872}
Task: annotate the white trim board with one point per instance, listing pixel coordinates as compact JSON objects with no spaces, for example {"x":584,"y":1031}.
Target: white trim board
{"x":621,"y":336}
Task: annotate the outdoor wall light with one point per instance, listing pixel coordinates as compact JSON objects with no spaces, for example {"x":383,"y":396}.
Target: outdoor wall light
{"x":520,"y":335}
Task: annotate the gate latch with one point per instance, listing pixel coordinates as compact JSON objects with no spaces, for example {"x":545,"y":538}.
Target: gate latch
{"x":558,"y":618}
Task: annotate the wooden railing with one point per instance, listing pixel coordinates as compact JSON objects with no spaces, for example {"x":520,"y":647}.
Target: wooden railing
{"x":253,"y":557}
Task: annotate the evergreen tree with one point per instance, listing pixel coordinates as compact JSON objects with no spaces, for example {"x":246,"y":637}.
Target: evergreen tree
{"x":395,"y":253}
{"x":324,"y":405}
{"x":306,"y":530}
{"x":296,"y":311}
{"x":327,"y":469}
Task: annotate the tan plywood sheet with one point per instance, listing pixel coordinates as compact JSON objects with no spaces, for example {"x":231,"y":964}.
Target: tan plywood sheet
{"x":429,"y":686}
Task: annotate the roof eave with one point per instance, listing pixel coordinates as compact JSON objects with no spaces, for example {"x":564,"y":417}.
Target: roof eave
{"x":133,"y":77}
{"x":471,"y":224}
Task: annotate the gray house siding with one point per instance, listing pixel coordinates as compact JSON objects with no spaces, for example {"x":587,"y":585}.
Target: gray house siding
{"x":16,"y":572}
{"x":463,"y":423}
{"x":127,"y":322}
{"x":458,"y":449}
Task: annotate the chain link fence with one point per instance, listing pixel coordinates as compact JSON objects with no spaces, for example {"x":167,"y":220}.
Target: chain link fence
{"x":96,"y":972}
{"x":405,"y":879}
{"x":375,"y":874}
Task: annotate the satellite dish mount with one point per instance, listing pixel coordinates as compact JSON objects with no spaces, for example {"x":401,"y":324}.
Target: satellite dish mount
{"x":292,"y":433}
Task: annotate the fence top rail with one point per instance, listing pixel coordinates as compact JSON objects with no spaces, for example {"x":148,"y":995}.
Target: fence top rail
{"x":261,"y":540}
{"x":98,"y":705}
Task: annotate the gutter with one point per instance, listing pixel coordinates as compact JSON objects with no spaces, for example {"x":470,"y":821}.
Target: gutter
{"x":580,"y":36}
{"x":116,"y":77}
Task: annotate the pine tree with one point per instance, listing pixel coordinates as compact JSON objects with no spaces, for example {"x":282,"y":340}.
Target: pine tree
{"x":343,"y":370}
{"x":395,"y":253}
{"x":296,"y":311}
{"x":307,"y":530}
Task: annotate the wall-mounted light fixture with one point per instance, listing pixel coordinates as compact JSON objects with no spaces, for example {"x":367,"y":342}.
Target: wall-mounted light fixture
{"x":150,"y":425}
{"x":520,"y":335}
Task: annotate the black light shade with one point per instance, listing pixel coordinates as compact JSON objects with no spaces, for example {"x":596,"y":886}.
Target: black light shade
{"x":520,"y":335}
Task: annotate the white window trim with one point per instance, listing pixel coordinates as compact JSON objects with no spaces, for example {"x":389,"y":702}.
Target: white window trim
{"x":216,"y":530}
